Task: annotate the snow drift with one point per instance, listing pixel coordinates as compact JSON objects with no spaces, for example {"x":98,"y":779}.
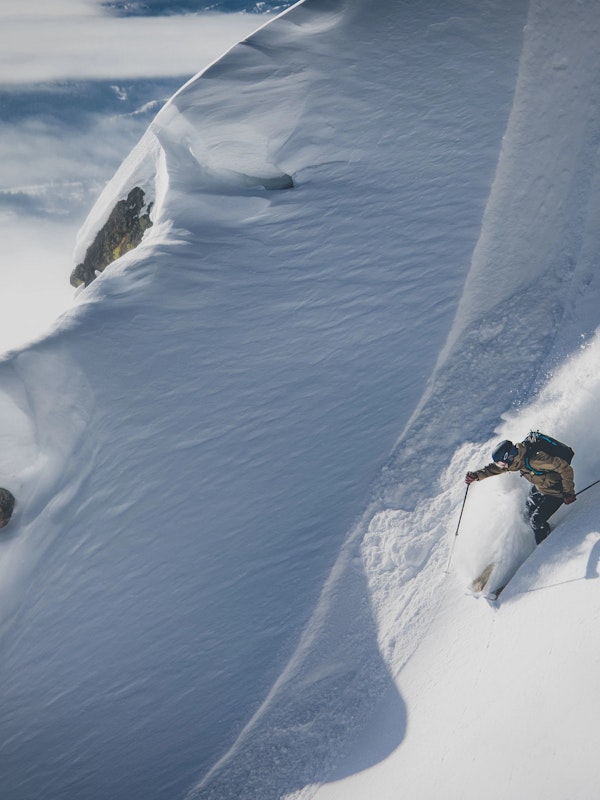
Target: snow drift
{"x":217,"y":570}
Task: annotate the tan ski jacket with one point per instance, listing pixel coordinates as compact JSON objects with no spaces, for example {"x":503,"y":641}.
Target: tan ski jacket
{"x":557,"y":478}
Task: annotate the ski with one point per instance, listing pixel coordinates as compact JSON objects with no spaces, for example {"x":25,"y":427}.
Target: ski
{"x":492,"y":597}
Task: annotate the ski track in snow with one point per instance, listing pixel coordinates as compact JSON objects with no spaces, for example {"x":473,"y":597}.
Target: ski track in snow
{"x":106,"y":583}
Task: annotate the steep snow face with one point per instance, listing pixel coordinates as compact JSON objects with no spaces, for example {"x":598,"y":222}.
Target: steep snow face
{"x":215,"y":569}
{"x":535,"y":257}
{"x":501,"y":697}
{"x":504,"y":699}
{"x":530,"y":300}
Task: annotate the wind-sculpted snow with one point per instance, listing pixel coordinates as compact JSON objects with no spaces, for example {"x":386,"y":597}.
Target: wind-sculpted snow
{"x":527,"y":302}
{"x":530,"y":302}
{"x":536,"y":253}
{"x":530,"y":295}
{"x":221,"y":569}
{"x":249,"y":367}
{"x":45,"y":404}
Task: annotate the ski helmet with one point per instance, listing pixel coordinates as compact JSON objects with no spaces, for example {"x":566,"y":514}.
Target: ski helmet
{"x":505,"y":452}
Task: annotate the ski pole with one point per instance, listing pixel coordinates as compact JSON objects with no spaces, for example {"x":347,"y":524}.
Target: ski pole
{"x":462,"y":508}
{"x":581,"y":491}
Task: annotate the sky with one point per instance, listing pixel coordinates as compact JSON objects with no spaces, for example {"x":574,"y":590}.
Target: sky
{"x":78,"y":86}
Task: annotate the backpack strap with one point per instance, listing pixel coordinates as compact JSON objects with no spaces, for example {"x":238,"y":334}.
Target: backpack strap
{"x":532,"y":469}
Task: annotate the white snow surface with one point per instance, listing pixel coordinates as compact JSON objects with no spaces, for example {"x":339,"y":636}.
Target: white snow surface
{"x":239,"y":458}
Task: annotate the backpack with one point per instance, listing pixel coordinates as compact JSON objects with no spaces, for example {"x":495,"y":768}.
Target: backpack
{"x":541,"y":441}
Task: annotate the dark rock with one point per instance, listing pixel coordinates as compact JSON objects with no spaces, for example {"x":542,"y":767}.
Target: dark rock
{"x":7,"y":504}
{"x":123,"y":231}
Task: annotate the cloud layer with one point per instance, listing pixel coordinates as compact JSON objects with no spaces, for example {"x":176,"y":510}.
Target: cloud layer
{"x":41,"y":42}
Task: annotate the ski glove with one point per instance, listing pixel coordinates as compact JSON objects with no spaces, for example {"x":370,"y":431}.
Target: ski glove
{"x":569,"y":498}
{"x":471,"y":477}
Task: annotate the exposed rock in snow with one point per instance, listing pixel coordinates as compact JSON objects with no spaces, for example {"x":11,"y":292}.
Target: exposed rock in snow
{"x":7,"y":504}
{"x":124,"y":229}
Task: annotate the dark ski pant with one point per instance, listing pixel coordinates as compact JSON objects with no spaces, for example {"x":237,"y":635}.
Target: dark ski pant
{"x":540,"y":508}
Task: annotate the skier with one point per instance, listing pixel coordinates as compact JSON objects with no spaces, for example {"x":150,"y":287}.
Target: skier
{"x":7,"y":504}
{"x":552,"y":478}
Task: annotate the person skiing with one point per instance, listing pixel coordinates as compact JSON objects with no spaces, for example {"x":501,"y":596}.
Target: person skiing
{"x":552,"y":478}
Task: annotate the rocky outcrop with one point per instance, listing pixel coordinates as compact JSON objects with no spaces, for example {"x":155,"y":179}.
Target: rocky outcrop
{"x":123,"y":231}
{"x":7,"y":504}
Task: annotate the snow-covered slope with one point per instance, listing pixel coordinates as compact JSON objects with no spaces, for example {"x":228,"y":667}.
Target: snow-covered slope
{"x":217,"y":571}
{"x":504,"y":703}
{"x":497,"y":698}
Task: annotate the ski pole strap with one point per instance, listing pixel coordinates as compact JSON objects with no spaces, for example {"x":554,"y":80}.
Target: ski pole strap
{"x":581,"y":491}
